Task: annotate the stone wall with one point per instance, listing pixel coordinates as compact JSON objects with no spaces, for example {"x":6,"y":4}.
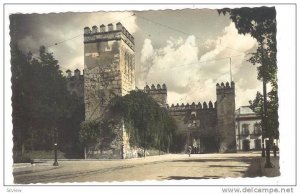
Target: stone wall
{"x":127,"y":68}
{"x":109,"y":67}
{"x":128,"y":150}
{"x":100,"y":86}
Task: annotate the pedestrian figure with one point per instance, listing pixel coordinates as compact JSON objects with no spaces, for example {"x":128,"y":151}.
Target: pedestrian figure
{"x":190,"y":150}
{"x":275,"y":148}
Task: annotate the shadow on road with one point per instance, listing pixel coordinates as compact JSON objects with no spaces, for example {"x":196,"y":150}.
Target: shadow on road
{"x":233,"y":159}
{"x":189,"y":177}
{"x":56,"y":176}
{"x":253,"y":169}
{"x":224,"y":166}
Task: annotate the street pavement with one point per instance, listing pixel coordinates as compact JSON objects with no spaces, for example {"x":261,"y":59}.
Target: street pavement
{"x":164,"y":167}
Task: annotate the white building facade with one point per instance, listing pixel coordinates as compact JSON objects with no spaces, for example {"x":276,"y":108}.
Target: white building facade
{"x":248,"y":129}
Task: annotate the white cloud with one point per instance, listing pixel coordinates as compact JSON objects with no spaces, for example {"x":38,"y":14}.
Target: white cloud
{"x":168,"y":61}
{"x":27,"y":43}
{"x":189,"y":67}
{"x":243,"y":95}
{"x":192,"y":78}
{"x":76,"y":63}
{"x":147,"y":51}
{"x":230,"y":43}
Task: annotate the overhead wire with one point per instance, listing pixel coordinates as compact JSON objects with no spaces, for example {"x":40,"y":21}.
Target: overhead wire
{"x":180,"y":31}
{"x":157,"y":23}
{"x":80,"y":34}
{"x":176,"y":66}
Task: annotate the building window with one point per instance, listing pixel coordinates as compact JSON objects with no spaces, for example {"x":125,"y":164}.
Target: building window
{"x":245,"y":130}
{"x":257,"y":129}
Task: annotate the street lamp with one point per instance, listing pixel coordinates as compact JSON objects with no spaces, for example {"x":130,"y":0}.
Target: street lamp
{"x":55,"y":155}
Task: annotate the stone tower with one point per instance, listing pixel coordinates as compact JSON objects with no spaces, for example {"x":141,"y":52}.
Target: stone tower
{"x":158,"y":93}
{"x":225,"y":116}
{"x":109,"y":67}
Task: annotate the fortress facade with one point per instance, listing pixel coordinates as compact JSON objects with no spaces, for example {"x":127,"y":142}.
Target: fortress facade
{"x":109,"y":71}
{"x":208,"y":127}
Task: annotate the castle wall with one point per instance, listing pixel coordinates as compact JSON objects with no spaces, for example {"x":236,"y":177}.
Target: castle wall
{"x":110,"y":71}
{"x":211,"y":125}
{"x":197,"y":124}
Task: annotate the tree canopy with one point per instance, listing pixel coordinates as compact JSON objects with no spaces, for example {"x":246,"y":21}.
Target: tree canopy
{"x":43,"y":109}
{"x":260,"y":23}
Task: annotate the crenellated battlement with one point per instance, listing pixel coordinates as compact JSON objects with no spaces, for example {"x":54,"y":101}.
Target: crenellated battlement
{"x":161,"y":89}
{"x":193,"y":106}
{"x":225,"y":88}
{"x":76,"y":74}
{"x":111,"y":32}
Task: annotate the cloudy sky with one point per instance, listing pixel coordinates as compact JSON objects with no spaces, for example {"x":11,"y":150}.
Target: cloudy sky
{"x":188,"y":50}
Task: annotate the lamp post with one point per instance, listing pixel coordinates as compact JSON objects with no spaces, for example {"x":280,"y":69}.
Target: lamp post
{"x":55,"y":155}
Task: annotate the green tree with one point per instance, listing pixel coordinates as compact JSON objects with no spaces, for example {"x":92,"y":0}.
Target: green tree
{"x":260,"y":23}
{"x":21,"y":98}
{"x":147,"y":124}
{"x":89,"y":134}
{"x":42,"y":105}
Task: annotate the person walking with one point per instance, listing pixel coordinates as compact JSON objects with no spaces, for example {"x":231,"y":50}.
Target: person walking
{"x":189,"y":150}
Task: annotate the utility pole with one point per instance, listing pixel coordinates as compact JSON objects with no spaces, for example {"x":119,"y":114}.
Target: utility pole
{"x":268,"y":163}
{"x":260,"y":109}
{"x":230,"y":70}
{"x":144,"y":133}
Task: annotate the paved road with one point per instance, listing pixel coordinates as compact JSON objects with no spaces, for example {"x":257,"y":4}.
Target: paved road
{"x":166,"y":167}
